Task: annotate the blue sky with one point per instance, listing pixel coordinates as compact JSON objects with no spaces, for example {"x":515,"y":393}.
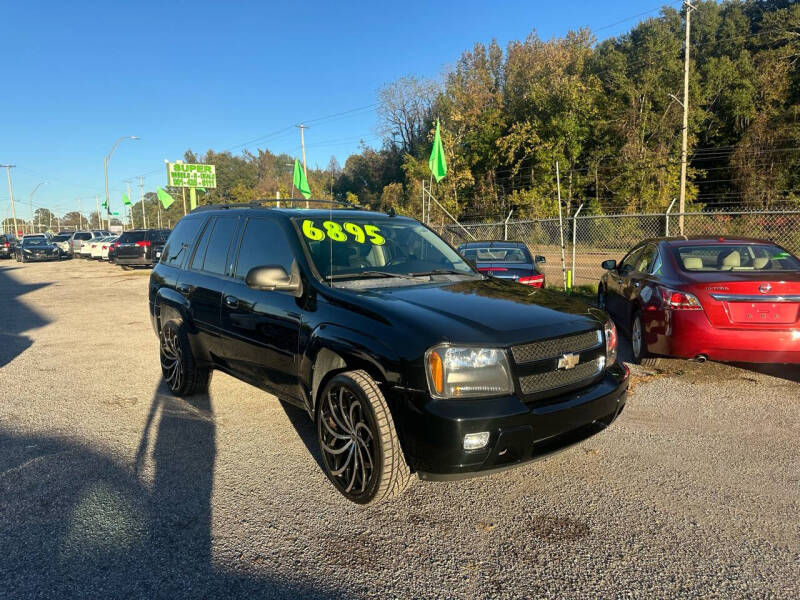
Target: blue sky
{"x":76,"y":76}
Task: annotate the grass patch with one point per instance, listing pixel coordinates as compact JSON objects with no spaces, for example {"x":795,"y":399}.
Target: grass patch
{"x":587,"y":292}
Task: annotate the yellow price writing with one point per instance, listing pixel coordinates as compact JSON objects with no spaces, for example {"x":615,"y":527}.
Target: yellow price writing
{"x":338,"y":232}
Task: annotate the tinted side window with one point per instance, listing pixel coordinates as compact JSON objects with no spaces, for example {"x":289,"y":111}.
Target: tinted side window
{"x":180,"y":242}
{"x":263,"y":243}
{"x":83,"y":236}
{"x":645,"y":260}
{"x":212,"y":251}
{"x":159,"y":235}
{"x":629,"y":262}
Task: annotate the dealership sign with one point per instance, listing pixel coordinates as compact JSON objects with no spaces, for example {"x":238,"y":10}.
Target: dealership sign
{"x":191,"y":176}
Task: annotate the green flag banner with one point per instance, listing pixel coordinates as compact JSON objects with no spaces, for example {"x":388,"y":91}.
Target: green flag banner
{"x":104,"y":204}
{"x":201,"y":189}
{"x":166,"y":199}
{"x":300,"y":181}
{"x":126,"y":201}
{"x":114,"y":214}
{"x":437,"y":163}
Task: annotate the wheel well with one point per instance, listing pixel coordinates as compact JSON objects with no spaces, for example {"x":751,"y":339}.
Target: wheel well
{"x":329,"y":364}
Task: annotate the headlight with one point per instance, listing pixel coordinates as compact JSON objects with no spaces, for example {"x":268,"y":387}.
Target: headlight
{"x":26,"y":250}
{"x":612,"y":340}
{"x":463,"y":372}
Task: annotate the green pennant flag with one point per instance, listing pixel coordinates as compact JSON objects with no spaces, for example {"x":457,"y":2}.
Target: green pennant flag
{"x":300,"y":181}
{"x":104,"y":204}
{"x":166,"y":199}
{"x":437,"y":163}
{"x":126,"y":201}
{"x":201,"y":189}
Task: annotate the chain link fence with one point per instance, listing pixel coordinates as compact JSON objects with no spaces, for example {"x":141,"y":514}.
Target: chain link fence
{"x":591,"y":239}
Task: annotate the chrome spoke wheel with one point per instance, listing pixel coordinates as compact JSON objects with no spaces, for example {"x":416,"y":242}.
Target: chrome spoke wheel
{"x":171,"y":358}
{"x":347,"y":441}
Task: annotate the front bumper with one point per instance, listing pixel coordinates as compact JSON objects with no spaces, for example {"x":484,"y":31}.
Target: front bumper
{"x":687,"y":334}
{"x":434,"y":430}
{"x":41,"y":257}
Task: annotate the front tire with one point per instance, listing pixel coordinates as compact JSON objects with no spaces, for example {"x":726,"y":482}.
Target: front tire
{"x":358,"y":441}
{"x":602,"y":299}
{"x":638,"y":345}
{"x":178,"y":365}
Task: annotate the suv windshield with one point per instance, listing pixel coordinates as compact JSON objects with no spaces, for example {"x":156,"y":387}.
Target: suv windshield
{"x":735,"y":257}
{"x":60,"y":238}
{"x":366,"y":246}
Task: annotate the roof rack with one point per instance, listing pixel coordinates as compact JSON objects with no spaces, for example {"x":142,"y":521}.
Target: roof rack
{"x":265,"y":202}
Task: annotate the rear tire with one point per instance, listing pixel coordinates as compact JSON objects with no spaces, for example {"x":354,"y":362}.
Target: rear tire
{"x":178,"y":365}
{"x":358,"y":440}
{"x":638,"y":345}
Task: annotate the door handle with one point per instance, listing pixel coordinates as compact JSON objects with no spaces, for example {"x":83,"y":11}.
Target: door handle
{"x":185,"y":288}
{"x":231,"y":301}
{"x":637,"y":284}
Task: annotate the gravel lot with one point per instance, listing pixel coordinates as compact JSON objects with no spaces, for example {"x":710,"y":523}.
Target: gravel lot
{"x":111,"y":487}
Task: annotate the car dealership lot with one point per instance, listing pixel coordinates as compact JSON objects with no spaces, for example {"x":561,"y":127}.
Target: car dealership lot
{"x":109,"y":486}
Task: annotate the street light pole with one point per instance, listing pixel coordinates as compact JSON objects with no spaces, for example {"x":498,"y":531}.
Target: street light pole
{"x":30,"y":201}
{"x":106,"y":160}
{"x":11,"y":194}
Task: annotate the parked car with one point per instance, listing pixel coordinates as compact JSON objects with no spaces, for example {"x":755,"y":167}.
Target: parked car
{"x":8,"y":244}
{"x":80,"y":237}
{"x":505,"y":260}
{"x":727,"y":299}
{"x":407,"y":359}
{"x":140,"y":247}
{"x":106,"y":248}
{"x":61,"y":241}
{"x":97,"y":246}
{"x":36,"y":247}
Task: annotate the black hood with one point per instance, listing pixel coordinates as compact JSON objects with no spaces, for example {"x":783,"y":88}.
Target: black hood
{"x":478,"y":311}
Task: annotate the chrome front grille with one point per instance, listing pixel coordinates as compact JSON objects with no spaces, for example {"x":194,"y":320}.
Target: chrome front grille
{"x":557,"y":346}
{"x":551,"y":380}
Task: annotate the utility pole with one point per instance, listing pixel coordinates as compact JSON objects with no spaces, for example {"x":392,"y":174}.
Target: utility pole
{"x":11,"y":194}
{"x":303,"y":146}
{"x":141,"y":199}
{"x":80,"y":215}
{"x":99,"y":215}
{"x":682,"y":205}
{"x":128,"y":188}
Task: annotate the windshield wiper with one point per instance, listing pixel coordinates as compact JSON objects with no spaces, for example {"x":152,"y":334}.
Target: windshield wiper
{"x":367,"y":274}
{"x":442,"y":272}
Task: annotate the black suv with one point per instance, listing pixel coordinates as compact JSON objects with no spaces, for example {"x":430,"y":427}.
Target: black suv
{"x":407,"y":358}
{"x":139,"y":247}
{"x":8,"y":245}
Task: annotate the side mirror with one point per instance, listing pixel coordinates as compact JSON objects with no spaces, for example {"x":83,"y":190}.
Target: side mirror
{"x":540,"y":259}
{"x":274,"y":278}
{"x":609,"y":265}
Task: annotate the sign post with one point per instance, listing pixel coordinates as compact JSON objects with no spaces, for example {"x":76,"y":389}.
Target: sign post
{"x":191,"y":176}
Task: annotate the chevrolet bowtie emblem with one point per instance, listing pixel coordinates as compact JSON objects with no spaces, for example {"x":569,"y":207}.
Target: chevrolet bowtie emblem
{"x":568,"y":361}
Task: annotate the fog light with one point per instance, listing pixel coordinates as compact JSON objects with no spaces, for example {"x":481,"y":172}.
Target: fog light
{"x":475,"y":441}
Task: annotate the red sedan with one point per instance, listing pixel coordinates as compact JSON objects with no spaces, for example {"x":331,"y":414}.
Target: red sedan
{"x":726,"y":299}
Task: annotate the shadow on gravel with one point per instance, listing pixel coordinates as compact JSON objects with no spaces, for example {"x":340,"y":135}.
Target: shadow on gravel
{"x":74,"y":523}
{"x":788,"y":372}
{"x":16,"y":316}
{"x":305,"y":430}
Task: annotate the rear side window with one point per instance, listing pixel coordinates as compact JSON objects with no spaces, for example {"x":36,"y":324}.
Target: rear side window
{"x":131,"y":237}
{"x":212,"y":251}
{"x":159,"y":235}
{"x":264,"y":243}
{"x":179,"y":243}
